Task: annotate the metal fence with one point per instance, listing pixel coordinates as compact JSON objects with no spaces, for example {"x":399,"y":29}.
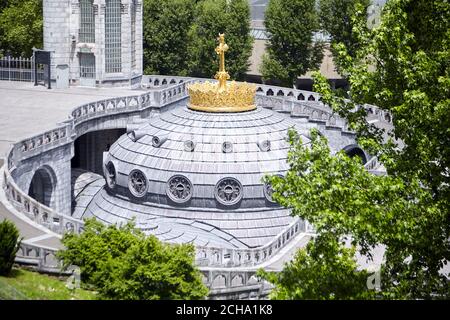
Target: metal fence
{"x":19,"y":69}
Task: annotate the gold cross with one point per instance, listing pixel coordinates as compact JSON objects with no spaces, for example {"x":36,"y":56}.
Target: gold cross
{"x":222,"y":75}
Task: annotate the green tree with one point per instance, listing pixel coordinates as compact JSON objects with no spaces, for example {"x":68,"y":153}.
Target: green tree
{"x":324,"y":270}
{"x":122,"y":263}
{"x":341,"y":199}
{"x":291,"y":50}
{"x":337,"y":18}
{"x":21,"y":27}
{"x":166,"y":25}
{"x":9,"y":245}
{"x":212,"y":17}
{"x":402,"y":66}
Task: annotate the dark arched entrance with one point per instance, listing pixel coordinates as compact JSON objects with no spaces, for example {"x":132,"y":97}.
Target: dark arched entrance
{"x":42,"y":186}
{"x":89,"y":149}
{"x":356,"y":151}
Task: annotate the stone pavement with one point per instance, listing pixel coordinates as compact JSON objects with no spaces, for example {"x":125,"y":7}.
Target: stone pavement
{"x":26,"y":110}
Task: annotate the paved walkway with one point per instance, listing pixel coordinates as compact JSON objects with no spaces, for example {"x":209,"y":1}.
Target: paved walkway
{"x":26,"y":110}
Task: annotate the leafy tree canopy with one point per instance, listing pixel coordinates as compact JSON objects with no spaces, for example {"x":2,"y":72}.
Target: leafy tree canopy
{"x":21,"y":27}
{"x":123,"y":263}
{"x":166,"y":24}
{"x":291,"y":50}
{"x":337,"y":18}
{"x":212,"y":17}
{"x":9,"y":245}
{"x":402,"y":66}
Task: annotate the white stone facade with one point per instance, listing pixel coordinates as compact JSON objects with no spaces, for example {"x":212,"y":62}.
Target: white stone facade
{"x":62,"y":36}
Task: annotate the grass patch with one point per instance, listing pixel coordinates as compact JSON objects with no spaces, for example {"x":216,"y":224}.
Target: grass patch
{"x":27,"y":285}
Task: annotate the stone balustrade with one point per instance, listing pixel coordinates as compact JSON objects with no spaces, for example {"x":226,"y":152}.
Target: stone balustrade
{"x":39,"y":213}
{"x":40,"y":143}
{"x":41,"y":257}
{"x":381,"y":115}
{"x":209,"y":256}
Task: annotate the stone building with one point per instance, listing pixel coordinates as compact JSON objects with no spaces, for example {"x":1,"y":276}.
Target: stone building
{"x":98,"y":42}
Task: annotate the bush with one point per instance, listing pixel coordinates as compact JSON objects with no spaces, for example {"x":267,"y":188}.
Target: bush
{"x":123,"y":263}
{"x":9,"y":245}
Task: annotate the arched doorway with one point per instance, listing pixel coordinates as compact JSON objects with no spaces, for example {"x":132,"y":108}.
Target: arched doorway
{"x":42,"y":186}
{"x":355,"y":151}
{"x":89,"y":148}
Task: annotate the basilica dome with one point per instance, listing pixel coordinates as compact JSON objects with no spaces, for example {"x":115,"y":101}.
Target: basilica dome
{"x":193,"y":176}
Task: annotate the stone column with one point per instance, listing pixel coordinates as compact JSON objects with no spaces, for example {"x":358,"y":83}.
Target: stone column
{"x":56,"y":14}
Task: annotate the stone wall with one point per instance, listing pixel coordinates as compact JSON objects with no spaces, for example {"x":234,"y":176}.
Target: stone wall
{"x":61,"y":36}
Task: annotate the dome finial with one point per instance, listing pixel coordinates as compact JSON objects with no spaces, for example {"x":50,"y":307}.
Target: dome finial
{"x":222,"y":75}
{"x":213,"y":97}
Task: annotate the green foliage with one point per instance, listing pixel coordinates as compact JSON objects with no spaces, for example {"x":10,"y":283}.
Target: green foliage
{"x":180,"y":36}
{"x":291,"y":51}
{"x":402,"y":66}
{"x":122,"y":263}
{"x":21,"y":27}
{"x":324,"y":270}
{"x":342,"y":199}
{"x":9,"y":245}
{"x":337,"y":18}
{"x":166,"y":24}
{"x":211,"y":18}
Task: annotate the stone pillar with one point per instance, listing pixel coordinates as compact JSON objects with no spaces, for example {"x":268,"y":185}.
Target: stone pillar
{"x":74,"y":66}
{"x":139,"y":37}
{"x":100,"y":39}
{"x":56,"y":14}
{"x":126,"y":38}
{"x":62,"y":191}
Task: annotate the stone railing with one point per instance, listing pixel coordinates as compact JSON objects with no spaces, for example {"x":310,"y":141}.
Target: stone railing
{"x":289,"y":93}
{"x":155,"y":81}
{"x":110,"y":106}
{"x":173,"y":93}
{"x":372,"y":164}
{"x":373,"y":112}
{"x":42,"y":258}
{"x":314,"y":112}
{"x":36,"y":211}
{"x":40,"y":143}
{"x":236,"y":285}
{"x":155,"y":98}
{"x":375,"y":166}
{"x":209,"y":256}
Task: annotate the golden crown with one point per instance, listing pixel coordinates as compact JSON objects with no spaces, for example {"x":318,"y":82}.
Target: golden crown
{"x":235,"y":98}
{"x":220,"y":96}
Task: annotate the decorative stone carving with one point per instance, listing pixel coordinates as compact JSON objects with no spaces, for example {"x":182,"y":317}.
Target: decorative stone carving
{"x":264,"y":145}
{"x":228,"y":191}
{"x":268,"y":191}
{"x":110,"y":175}
{"x":179,"y":189}
{"x":137,"y":183}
